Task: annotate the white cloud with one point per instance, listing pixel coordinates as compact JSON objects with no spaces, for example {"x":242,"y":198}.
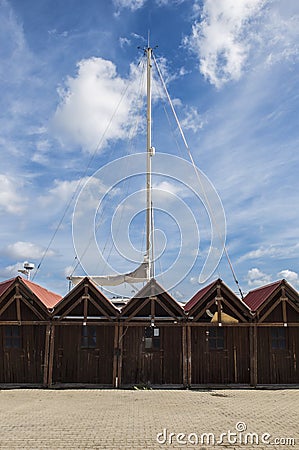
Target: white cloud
{"x":11,"y":271}
{"x":11,"y":199}
{"x":133,"y":5}
{"x":192,"y":120}
{"x":14,"y":54}
{"x":256,"y":278}
{"x":230,"y":34}
{"x":64,"y":190}
{"x":89,"y":101}
{"x":219,"y":39}
{"x":290,"y":276}
{"x":124,"y":41}
{"x":271,"y":251}
{"x":24,"y":250}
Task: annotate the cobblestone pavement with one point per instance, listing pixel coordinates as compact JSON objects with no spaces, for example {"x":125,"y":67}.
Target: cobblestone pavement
{"x":131,"y":419}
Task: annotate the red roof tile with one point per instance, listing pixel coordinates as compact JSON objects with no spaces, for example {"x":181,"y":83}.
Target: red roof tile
{"x":4,"y":285}
{"x":198,"y":296}
{"x":254,"y":299}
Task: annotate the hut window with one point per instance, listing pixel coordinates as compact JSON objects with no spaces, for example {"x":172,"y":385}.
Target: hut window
{"x":216,"y":338}
{"x":89,"y":337}
{"x":13,"y":336}
{"x":278,"y":336}
{"x":152,"y":338}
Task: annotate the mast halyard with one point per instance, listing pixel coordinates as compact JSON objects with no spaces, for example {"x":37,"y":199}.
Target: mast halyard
{"x":150,"y":152}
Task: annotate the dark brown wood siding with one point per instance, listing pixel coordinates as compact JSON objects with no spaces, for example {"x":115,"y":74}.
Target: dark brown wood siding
{"x":278,"y":365}
{"x":24,"y":364}
{"x":74,"y":364}
{"x":159,"y":366}
{"x":229,"y":365}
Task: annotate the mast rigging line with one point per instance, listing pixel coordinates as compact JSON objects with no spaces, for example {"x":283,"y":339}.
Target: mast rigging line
{"x":80,"y":182}
{"x":195,"y":169}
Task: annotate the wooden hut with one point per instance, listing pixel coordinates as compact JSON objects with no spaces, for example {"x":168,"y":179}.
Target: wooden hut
{"x":83,"y":336}
{"x":218,"y":337}
{"x":276,"y":333}
{"x":24,"y":331}
{"x":152,"y":339}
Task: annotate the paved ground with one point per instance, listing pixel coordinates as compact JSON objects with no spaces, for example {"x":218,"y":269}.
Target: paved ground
{"x":128,"y":419}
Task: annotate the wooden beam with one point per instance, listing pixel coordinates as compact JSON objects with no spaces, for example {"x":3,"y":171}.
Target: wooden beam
{"x":70,"y":308}
{"x":7,"y":305}
{"x":46,"y":355}
{"x":284,"y":310}
{"x":85,"y":307}
{"x":51,"y":355}
{"x":234,"y":310}
{"x":18,"y":305}
{"x":120,"y":354}
{"x":184,"y":355}
{"x":201,"y":313}
{"x":99,"y":308}
{"x":137,"y":309}
{"x":115,"y":357}
{"x":270,"y":310}
{"x":166,"y":309}
{"x":189,"y":355}
{"x":253,"y":356}
{"x":292,"y":304}
{"x":33,"y":309}
{"x":152,"y":300}
{"x":218,"y":301}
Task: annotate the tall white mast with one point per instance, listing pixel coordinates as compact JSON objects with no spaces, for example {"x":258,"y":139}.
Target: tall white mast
{"x":150,"y":152}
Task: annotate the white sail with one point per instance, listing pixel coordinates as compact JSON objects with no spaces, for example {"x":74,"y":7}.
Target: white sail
{"x":139,"y":275}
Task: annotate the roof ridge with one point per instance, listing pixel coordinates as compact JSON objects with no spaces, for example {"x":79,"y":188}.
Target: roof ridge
{"x":265,"y":286}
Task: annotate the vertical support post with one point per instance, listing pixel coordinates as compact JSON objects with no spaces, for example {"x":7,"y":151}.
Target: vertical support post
{"x":152,"y":299}
{"x":85,"y":308}
{"x":284,"y":306}
{"x":46,"y":355}
{"x":18,"y":304}
{"x":115,"y":377}
{"x":51,"y":356}
{"x":218,"y":300}
{"x":253,"y":355}
{"x":185,"y":356}
{"x":120,"y":354}
{"x":189,"y":355}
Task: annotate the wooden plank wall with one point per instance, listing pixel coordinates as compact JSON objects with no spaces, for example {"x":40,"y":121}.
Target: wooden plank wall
{"x":74,"y":364}
{"x":25,"y":364}
{"x":228,"y":366}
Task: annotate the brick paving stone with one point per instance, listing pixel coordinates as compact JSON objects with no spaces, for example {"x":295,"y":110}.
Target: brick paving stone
{"x":131,"y":419}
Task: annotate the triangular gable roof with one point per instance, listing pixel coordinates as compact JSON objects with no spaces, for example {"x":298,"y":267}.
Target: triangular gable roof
{"x":153,"y":289}
{"x":43,"y":298}
{"x":256,"y":298}
{"x":105,"y":306}
{"x":199,"y":295}
{"x":198,"y":303}
{"x":48,"y":298}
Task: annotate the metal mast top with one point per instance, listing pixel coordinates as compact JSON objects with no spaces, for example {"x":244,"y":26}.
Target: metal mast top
{"x":150,"y":152}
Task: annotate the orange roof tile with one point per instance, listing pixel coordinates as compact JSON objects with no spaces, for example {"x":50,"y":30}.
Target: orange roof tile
{"x":48,"y":298}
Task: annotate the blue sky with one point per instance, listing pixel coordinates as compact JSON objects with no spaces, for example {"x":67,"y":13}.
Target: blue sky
{"x":231,"y":69}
